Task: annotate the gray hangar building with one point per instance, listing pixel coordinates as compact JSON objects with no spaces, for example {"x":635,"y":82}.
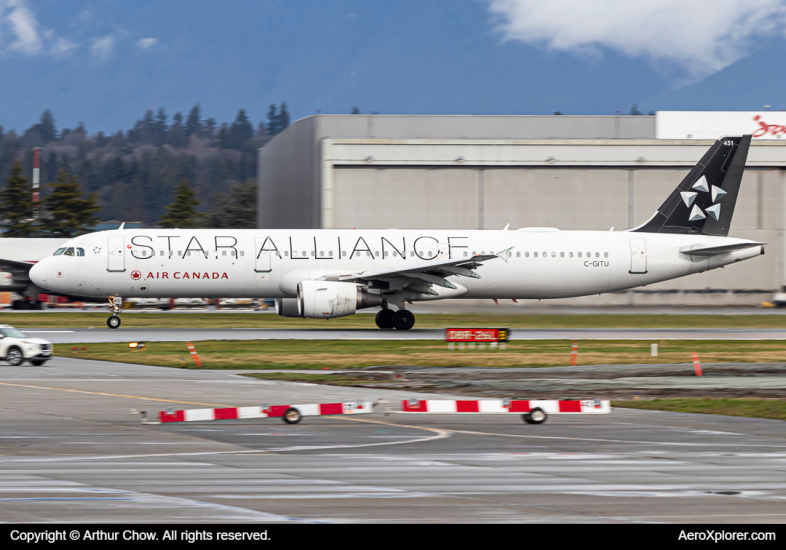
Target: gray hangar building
{"x":484,"y":172}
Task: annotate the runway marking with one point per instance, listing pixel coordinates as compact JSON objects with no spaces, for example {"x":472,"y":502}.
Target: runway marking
{"x":450,"y":430}
{"x":112,"y":395}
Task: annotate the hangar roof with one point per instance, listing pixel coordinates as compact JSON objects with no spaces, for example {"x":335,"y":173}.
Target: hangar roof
{"x":480,"y":126}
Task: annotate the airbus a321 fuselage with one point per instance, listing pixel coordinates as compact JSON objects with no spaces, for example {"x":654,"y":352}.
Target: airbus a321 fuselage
{"x":333,"y":273}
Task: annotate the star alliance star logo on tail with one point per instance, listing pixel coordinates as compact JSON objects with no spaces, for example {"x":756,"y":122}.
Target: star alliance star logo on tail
{"x":717,"y":194}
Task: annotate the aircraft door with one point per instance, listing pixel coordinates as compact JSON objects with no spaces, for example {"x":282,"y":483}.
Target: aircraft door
{"x":116,"y":254}
{"x":264,"y":259}
{"x":638,"y":256}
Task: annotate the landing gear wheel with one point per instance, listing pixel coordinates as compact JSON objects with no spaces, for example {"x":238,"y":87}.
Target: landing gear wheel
{"x":14,"y":357}
{"x":38,"y":362}
{"x":403,"y":319}
{"x":535,"y":416}
{"x":113,"y":322}
{"x":292,"y":416}
{"x":384,"y":318}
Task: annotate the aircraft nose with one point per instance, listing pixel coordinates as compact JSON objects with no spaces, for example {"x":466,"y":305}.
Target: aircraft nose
{"x":38,"y":274}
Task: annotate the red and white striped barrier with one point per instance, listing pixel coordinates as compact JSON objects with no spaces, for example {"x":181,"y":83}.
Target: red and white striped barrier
{"x":274,"y":411}
{"x":499,"y":406}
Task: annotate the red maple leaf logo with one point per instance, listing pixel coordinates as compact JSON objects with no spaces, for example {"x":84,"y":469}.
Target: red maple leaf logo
{"x":136,"y":275}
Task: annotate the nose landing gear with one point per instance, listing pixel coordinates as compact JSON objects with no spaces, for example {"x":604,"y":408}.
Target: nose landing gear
{"x":115,"y":304}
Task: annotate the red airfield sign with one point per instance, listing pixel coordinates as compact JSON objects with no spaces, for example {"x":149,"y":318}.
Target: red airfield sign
{"x":476,"y":334}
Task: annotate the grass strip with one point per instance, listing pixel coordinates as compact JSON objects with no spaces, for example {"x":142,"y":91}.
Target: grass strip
{"x":351,"y":354}
{"x":76,"y":319}
{"x":751,"y":408}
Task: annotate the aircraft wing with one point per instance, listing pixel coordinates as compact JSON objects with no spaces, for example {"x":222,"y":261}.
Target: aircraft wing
{"x":422,"y":275}
{"x":20,"y":273}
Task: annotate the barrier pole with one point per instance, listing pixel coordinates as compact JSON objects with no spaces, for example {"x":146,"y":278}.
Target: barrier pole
{"x":574,"y":353}
{"x":696,"y":364}
{"x":194,"y":354}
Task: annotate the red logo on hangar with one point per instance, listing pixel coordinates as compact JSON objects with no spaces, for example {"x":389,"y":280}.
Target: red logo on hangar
{"x":136,"y":275}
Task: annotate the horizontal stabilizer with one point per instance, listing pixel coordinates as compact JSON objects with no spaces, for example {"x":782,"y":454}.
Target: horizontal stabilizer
{"x":716,"y":250}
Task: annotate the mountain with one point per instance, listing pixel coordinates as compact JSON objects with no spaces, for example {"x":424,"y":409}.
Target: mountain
{"x":394,"y":56}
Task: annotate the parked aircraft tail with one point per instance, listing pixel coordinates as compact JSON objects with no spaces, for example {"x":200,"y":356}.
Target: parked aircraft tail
{"x":704,"y":201}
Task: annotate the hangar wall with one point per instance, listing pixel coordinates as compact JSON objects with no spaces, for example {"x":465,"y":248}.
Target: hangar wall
{"x":377,"y":179}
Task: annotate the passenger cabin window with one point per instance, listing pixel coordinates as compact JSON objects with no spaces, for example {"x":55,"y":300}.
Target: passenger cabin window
{"x":69,"y":252}
{"x":344,"y":253}
{"x":535,"y":254}
{"x":286,"y":253}
{"x":59,"y":251}
{"x":526,"y":254}
{"x":570,"y":254}
{"x":579,"y":254}
{"x":518,"y":254}
{"x":242,"y":253}
{"x":561,"y":254}
{"x":605,"y":254}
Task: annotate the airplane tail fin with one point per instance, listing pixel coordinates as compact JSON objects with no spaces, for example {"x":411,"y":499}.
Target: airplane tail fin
{"x":704,"y":201}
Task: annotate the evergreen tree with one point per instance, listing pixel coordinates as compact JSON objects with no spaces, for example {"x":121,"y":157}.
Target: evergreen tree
{"x":47,"y":127}
{"x":272,"y":120}
{"x":160,"y":127}
{"x":181,"y":213}
{"x":16,"y":205}
{"x":223,"y":137}
{"x":194,"y":122}
{"x":355,"y":111}
{"x":237,"y":211}
{"x":175,"y":134}
{"x":210,"y":128}
{"x":634,"y":110}
{"x":69,"y":215}
{"x":283,"y":117}
{"x":241,"y":130}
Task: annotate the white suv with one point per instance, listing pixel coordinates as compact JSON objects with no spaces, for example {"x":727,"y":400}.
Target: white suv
{"x":16,"y":347}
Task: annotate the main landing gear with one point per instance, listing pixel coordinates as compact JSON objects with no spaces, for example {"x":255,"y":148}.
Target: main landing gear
{"x":114,"y":306}
{"x":402,"y":319}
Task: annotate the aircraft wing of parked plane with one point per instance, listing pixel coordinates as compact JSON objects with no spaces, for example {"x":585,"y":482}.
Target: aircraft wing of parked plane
{"x":327,"y":273}
{"x":20,"y":273}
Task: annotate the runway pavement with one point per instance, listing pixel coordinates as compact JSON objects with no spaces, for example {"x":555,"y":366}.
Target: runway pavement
{"x":70,"y":451}
{"x":87,"y":335}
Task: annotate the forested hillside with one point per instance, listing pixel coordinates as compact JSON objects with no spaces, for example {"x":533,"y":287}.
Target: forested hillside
{"x":135,"y":172}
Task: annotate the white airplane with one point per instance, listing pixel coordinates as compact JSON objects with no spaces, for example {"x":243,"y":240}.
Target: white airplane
{"x":334,"y":273}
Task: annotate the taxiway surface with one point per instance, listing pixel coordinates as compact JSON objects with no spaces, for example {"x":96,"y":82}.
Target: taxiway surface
{"x":95,"y":335}
{"x":70,"y":451}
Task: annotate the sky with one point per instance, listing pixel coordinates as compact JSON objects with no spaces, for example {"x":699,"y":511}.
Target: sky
{"x":105,"y":62}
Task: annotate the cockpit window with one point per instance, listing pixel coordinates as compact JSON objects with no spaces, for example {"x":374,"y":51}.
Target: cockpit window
{"x":59,"y":251}
{"x":69,"y":251}
{"x":80,"y":251}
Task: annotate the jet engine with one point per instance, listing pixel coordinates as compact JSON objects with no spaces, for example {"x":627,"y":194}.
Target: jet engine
{"x":326,"y":300}
{"x":287,"y":307}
